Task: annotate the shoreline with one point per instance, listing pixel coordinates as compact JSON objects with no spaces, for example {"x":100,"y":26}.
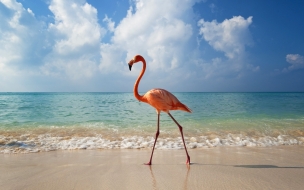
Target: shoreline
{"x":276,"y":167}
{"x":27,"y":142}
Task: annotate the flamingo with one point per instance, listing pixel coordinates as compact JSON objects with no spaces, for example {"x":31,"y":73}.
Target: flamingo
{"x":161,"y":100}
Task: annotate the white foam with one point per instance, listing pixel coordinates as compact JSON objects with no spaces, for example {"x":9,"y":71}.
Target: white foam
{"x":46,"y":142}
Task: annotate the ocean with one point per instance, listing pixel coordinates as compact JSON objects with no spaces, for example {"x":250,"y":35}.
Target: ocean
{"x":39,"y":122}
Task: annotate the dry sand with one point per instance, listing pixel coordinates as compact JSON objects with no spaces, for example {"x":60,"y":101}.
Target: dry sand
{"x":215,"y":168}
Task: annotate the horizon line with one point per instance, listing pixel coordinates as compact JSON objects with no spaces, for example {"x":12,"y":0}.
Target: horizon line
{"x":144,"y":92}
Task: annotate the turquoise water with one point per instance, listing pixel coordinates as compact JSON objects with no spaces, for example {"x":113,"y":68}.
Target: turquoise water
{"x":118,"y":120}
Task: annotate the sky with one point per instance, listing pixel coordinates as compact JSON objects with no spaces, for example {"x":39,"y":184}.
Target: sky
{"x":189,"y":45}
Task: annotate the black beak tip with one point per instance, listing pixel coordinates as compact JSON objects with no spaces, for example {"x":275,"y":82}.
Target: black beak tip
{"x":130,"y":67}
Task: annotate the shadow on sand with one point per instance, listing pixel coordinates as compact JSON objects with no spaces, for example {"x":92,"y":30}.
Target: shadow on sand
{"x":253,"y":166}
{"x":265,"y":166}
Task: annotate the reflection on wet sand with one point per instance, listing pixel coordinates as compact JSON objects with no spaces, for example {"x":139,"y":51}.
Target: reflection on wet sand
{"x":185,"y":181}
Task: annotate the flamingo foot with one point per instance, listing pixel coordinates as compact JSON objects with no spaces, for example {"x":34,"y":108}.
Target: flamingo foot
{"x":149,"y":163}
{"x":188,"y":160}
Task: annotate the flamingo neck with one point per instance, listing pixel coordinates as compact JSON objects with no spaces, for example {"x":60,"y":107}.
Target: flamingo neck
{"x":135,"y":90}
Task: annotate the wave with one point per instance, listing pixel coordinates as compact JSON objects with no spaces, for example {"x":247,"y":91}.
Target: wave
{"x":29,"y":143}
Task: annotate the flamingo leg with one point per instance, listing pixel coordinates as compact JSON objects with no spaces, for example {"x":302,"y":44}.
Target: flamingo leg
{"x":181,"y":131}
{"x":156,"y":136}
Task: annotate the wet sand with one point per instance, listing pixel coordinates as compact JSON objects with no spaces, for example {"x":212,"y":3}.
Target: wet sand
{"x":214,"y":168}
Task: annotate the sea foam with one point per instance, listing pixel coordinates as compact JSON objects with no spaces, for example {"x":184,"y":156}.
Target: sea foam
{"x":47,"y":142}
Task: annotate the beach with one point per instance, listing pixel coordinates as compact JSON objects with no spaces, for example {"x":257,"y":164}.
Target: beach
{"x":276,"y":167}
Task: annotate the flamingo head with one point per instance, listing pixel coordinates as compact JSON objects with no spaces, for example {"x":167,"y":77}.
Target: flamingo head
{"x":136,"y":59}
{"x":131,"y":62}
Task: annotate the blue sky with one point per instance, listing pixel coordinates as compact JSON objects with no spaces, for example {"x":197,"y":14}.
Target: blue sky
{"x":189,"y":45}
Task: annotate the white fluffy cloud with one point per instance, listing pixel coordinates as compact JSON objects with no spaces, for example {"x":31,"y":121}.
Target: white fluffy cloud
{"x":20,"y":34}
{"x":296,"y":61}
{"x":155,"y":29}
{"x":77,"y":37}
{"x":22,"y":44}
{"x":230,"y":37}
{"x":75,"y":26}
{"x":68,"y":47}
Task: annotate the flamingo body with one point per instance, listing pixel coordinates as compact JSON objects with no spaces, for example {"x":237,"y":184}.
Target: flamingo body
{"x":161,"y":100}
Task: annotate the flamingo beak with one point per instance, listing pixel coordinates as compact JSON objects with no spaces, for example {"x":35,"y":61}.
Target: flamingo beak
{"x":130,"y":64}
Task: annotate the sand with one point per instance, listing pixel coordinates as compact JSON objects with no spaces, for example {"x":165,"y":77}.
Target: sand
{"x":214,"y":168}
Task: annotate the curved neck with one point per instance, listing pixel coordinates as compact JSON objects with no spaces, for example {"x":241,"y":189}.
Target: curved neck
{"x":135,"y":90}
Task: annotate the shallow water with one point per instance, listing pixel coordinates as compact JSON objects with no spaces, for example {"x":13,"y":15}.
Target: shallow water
{"x":33,"y":122}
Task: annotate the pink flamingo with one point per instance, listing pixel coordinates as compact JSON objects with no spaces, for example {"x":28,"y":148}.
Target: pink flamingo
{"x":161,"y":100}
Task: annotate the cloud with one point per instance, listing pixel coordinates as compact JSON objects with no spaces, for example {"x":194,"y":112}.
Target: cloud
{"x":21,"y":36}
{"x":77,"y":37}
{"x":110,"y":23}
{"x":296,"y":61}
{"x":213,"y":8}
{"x":22,"y":39}
{"x":68,"y":48}
{"x":230,"y":37}
{"x":159,"y":33}
{"x":75,"y":26}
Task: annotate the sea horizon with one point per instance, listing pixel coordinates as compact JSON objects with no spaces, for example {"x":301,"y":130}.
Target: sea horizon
{"x":148,"y":90}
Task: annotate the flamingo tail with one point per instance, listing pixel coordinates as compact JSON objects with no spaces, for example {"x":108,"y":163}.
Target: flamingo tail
{"x":185,"y":108}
